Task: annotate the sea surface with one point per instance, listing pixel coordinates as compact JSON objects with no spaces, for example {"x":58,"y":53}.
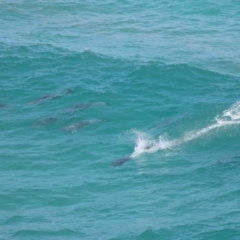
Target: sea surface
{"x":119,"y":120}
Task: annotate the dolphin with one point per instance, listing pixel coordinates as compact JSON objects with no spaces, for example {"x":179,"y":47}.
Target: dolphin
{"x":46,"y":122}
{"x":121,"y":161}
{"x":42,"y":99}
{"x":82,"y":106}
{"x":51,"y":96}
{"x":68,"y":90}
{"x":74,"y":127}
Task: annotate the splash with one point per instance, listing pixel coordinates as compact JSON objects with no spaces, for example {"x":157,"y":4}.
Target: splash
{"x":147,"y":144}
{"x":233,"y":113}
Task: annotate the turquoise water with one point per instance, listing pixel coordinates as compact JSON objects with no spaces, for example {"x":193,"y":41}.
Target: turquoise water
{"x":83,"y":84}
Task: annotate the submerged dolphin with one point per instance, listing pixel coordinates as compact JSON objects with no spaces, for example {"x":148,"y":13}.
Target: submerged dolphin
{"x":46,"y":122}
{"x":51,"y":96}
{"x":42,"y":99}
{"x":121,"y":161}
{"x":74,"y":127}
{"x":82,"y":106}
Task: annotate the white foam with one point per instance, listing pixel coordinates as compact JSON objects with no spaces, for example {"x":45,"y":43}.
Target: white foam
{"x":147,"y":144}
{"x":233,"y":113}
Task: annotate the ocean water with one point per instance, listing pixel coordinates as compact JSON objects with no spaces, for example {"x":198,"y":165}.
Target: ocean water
{"x":155,"y":84}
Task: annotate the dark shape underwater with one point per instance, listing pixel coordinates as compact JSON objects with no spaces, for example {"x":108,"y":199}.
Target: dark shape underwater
{"x":82,"y":106}
{"x":47,"y":122}
{"x":121,"y":161}
{"x":51,"y":96}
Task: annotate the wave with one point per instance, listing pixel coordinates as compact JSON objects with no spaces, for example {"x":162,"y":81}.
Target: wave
{"x":50,"y":51}
{"x":145,"y":143}
{"x":54,"y":55}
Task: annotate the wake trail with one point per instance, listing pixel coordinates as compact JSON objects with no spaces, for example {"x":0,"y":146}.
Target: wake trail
{"x":147,"y":144}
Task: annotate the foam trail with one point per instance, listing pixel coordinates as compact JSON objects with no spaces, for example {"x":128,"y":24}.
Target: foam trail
{"x":146,"y":144}
{"x":195,"y":134}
